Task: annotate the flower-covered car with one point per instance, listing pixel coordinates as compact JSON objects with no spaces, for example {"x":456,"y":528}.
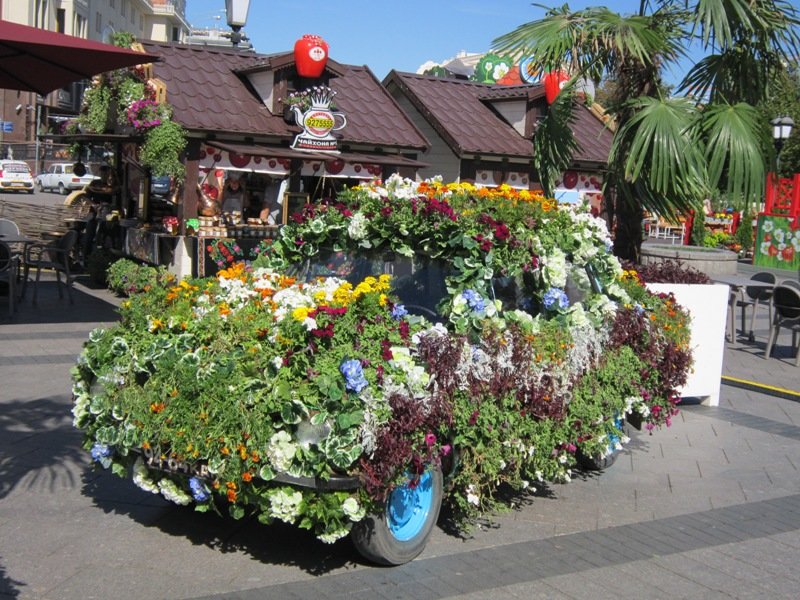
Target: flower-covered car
{"x":401,"y":346}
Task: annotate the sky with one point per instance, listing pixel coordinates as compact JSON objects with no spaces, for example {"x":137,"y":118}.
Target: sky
{"x":385,"y":35}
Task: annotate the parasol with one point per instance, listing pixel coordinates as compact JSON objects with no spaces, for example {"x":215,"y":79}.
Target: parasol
{"x":41,"y":61}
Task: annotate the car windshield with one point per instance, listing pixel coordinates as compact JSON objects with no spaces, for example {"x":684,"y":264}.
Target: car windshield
{"x":16,"y":168}
{"x":418,"y":283}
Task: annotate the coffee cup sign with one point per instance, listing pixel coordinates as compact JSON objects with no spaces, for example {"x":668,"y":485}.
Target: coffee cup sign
{"x":318,"y":122}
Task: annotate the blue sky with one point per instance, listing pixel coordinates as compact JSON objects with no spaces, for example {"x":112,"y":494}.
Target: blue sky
{"x":384,"y":35}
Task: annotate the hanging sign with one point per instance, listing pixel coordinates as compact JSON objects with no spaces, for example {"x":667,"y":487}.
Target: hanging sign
{"x":310,"y":55}
{"x":318,"y":121}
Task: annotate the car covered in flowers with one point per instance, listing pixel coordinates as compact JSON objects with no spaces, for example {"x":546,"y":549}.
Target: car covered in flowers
{"x":403,"y":345}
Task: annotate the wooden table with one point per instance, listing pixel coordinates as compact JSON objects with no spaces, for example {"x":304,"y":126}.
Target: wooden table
{"x":738,"y":284}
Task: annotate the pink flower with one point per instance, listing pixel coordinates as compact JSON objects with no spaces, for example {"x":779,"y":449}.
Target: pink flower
{"x":430,"y":440}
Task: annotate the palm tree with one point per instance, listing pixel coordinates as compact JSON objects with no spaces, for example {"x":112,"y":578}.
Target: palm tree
{"x":668,"y":151}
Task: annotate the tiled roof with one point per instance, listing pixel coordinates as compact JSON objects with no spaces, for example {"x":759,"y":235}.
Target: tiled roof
{"x":460,"y":112}
{"x":208,"y":95}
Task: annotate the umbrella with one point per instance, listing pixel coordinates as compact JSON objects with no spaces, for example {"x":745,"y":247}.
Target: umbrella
{"x":41,"y":61}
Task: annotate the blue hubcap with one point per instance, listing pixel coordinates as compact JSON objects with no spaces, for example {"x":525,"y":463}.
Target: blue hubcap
{"x":408,"y":507}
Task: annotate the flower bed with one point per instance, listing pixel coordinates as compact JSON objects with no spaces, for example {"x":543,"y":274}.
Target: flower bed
{"x":316,"y":402}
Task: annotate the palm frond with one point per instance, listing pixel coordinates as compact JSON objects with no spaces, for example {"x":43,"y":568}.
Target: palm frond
{"x":734,"y":140}
{"x":554,"y":142}
{"x":660,"y":154}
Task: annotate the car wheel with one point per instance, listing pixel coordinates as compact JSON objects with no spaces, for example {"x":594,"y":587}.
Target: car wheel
{"x":61,"y":189}
{"x":39,"y":186}
{"x":400,"y":532}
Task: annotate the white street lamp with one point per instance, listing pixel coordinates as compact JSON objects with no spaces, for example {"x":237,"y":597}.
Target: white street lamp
{"x":236,"y":14}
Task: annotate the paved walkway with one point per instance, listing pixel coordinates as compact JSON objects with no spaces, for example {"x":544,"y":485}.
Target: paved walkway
{"x":708,"y":508}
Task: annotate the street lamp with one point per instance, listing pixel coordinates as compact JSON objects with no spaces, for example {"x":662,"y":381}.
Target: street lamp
{"x":236,"y":14}
{"x":781,"y":130}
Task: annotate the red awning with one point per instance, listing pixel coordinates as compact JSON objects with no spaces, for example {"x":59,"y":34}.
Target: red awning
{"x":41,"y":61}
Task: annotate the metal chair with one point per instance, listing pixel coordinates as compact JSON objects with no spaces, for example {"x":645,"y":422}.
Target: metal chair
{"x":9,"y":266}
{"x":55,"y":256}
{"x":755,"y":297}
{"x":786,"y":303}
{"x":8,"y":227}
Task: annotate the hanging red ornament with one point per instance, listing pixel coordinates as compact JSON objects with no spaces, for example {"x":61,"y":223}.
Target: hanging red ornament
{"x":310,"y":55}
{"x":553,"y":82}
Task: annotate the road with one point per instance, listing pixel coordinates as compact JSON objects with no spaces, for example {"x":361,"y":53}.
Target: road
{"x":38,"y":198}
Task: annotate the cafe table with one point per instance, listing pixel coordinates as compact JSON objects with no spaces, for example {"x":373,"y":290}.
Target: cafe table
{"x":738,"y":284}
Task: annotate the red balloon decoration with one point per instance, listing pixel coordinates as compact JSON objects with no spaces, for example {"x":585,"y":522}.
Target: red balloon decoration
{"x":553,"y":82}
{"x":310,"y":55}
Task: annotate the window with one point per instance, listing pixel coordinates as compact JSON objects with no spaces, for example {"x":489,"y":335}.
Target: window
{"x":176,"y":34}
{"x":98,"y":23}
{"x":112,"y":3}
{"x":61,"y":18}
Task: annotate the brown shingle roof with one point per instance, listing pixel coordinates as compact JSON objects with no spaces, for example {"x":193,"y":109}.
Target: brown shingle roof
{"x":460,"y":112}
{"x":208,"y":95}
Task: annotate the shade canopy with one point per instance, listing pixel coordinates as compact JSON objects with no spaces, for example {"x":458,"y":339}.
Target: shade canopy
{"x":41,"y":61}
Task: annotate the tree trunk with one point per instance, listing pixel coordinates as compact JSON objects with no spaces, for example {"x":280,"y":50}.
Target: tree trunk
{"x":628,"y":232}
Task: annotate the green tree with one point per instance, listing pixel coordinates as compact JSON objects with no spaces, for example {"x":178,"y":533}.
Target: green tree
{"x":785,"y":101}
{"x":670,"y":151}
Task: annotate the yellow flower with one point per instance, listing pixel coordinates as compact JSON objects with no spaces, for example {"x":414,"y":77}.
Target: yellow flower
{"x":155,"y":325}
{"x":300,"y":313}
{"x":383,"y":299}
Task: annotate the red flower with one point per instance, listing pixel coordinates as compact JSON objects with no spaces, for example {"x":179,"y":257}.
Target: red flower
{"x":386,"y":351}
{"x":501,"y":231}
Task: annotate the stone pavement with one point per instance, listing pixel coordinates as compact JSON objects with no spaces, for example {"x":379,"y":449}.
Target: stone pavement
{"x":708,"y":508}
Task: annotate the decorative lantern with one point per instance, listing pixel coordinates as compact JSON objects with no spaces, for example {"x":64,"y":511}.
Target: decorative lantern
{"x":553,"y":82}
{"x":236,"y":14}
{"x":310,"y":55}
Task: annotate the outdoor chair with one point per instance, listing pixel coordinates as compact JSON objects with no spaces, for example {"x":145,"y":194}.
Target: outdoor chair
{"x":786,"y":305}
{"x":9,"y":265}
{"x":8,"y":227}
{"x":791,"y":283}
{"x":753,"y":297}
{"x":56,"y":256}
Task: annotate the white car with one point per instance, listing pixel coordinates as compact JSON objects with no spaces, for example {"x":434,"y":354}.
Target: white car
{"x":60,"y":177}
{"x":15,"y":175}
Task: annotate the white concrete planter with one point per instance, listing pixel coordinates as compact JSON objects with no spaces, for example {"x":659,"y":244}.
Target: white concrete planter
{"x":708,"y":308}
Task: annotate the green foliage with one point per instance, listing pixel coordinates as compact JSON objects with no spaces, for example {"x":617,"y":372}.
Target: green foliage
{"x":162,"y":150}
{"x":127,"y":277}
{"x":97,"y":100}
{"x":651,"y":167}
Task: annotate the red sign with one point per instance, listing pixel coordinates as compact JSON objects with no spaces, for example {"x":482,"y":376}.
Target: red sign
{"x":310,"y":55}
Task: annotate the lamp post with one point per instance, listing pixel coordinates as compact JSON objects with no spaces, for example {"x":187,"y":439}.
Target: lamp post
{"x":236,"y":15}
{"x":781,"y":130}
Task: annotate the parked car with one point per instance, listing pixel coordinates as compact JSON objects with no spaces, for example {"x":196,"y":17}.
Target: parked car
{"x":15,"y":176}
{"x":160,"y":186}
{"x":60,"y":177}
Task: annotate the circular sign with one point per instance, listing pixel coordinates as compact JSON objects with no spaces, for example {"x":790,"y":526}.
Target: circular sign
{"x":570,"y":179}
{"x":528,"y":72}
{"x":318,"y":122}
{"x":238,"y":160}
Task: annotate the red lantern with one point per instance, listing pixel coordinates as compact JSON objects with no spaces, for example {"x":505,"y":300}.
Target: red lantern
{"x":553,"y":82}
{"x":310,"y":55}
